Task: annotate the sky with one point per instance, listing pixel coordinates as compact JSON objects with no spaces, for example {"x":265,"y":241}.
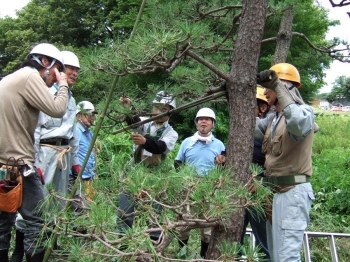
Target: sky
{"x":9,"y":7}
{"x":343,"y":32}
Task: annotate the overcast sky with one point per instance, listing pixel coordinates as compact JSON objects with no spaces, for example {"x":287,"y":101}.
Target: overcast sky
{"x":9,"y":7}
{"x":343,"y":32}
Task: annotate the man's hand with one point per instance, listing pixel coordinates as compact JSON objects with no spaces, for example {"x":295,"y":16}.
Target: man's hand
{"x":75,"y":170}
{"x":220,"y":160}
{"x":61,"y":78}
{"x":138,"y":139}
{"x":268,"y":79}
{"x":125,"y":100}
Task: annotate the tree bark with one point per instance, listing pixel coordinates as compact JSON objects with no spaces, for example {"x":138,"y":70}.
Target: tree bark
{"x":284,"y":36}
{"x":241,"y":89}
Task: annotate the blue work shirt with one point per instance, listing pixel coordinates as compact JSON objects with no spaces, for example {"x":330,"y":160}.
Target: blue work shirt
{"x":200,"y":155}
{"x":84,"y":137}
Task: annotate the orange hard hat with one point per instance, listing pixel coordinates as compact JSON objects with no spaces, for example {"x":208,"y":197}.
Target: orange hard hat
{"x":287,"y":72}
{"x":260,"y":93}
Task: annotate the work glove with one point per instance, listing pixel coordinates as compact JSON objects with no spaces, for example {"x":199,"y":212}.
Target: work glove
{"x":270,"y":80}
{"x":41,"y":174}
{"x":75,"y":170}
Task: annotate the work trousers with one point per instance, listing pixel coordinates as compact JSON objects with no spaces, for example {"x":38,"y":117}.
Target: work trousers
{"x":258,"y":225}
{"x":205,"y":232}
{"x":56,"y":167}
{"x":127,"y":205}
{"x":33,"y":194}
{"x":290,"y":218}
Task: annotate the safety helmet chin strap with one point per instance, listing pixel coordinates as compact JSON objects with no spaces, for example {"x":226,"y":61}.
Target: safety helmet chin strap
{"x":36,"y":58}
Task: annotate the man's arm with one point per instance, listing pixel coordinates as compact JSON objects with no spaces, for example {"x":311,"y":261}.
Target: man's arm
{"x":260,"y":126}
{"x":39,"y":96}
{"x":180,"y":157}
{"x":299,"y":120}
{"x":154,"y":147}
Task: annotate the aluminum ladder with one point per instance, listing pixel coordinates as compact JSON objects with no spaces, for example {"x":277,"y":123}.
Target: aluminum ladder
{"x":331,"y":239}
{"x":306,"y":246}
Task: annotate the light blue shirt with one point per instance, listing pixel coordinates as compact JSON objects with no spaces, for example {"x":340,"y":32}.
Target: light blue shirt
{"x":59,"y":128}
{"x":84,"y":137}
{"x":200,"y":155}
{"x":299,"y":122}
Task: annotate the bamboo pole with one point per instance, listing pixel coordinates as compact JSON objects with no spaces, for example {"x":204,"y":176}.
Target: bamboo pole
{"x":173,"y":111}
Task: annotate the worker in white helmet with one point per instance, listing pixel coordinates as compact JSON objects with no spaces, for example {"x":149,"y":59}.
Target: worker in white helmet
{"x":24,"y":93}
{"x":152,"y":142}
{"x":52,"y":137}
{"x":85,"y":114}
{"x":55,"y":142}
{"x":200,"y":151}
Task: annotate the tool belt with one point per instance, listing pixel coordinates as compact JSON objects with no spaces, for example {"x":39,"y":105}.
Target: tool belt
{"x":282,"y":184}
{"x":11,"y":185}
{"x":55,"y":141}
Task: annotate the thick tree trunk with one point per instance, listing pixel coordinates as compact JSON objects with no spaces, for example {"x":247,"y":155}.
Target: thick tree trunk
{"x":284,"y":36}
{"x":241,"y":91}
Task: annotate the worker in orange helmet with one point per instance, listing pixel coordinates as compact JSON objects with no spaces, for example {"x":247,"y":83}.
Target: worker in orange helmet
{"x":287,"y":144}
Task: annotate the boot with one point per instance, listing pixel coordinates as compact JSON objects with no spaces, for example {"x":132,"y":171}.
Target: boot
{"x":204,"y":249}
{"x":18,"y":252}
{"x":4,"y":257}
{"x":37,"y":257}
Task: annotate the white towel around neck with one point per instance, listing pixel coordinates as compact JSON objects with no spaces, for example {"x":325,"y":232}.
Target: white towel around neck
{"x":196,"y":137}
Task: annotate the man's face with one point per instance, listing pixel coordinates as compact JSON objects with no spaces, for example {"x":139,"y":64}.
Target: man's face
{"x":260,"y":110}
{"x":204,"y":125}
{"x":72,"y":74}
{"x":87,"y":119}
{"x":270,"y":96}
{"x":159,"y":109}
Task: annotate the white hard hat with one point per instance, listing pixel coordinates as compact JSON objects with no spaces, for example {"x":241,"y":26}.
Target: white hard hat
{"x":205,"y":112}
{"x":69,"y":58}
{"x":86,"y":106}
{"x":49,"y":50}
{"x":165,"y":98}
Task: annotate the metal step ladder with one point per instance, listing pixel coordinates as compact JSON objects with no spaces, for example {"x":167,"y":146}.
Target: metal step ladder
{"x":306,"y":245}
{"x":331,"y":239}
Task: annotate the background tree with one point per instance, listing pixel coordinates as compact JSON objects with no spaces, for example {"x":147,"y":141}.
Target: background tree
{"x":340,"y":89}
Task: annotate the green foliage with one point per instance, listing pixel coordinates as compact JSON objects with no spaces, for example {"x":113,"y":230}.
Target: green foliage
{"x":312,"y":20}
{"x":340,"y":89}
{"x":165,"y":26}
{"x":331,"y":167}
{"x":327,"y":138}
{"x":331,"y":174}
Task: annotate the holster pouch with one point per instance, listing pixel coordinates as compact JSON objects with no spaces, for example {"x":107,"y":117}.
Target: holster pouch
{"x":11,"y":185}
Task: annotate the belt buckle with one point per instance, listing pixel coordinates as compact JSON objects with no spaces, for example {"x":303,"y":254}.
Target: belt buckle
{"x":299,"y":179}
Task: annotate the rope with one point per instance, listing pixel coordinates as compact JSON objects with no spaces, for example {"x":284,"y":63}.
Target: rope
{"x":61,"y":160}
